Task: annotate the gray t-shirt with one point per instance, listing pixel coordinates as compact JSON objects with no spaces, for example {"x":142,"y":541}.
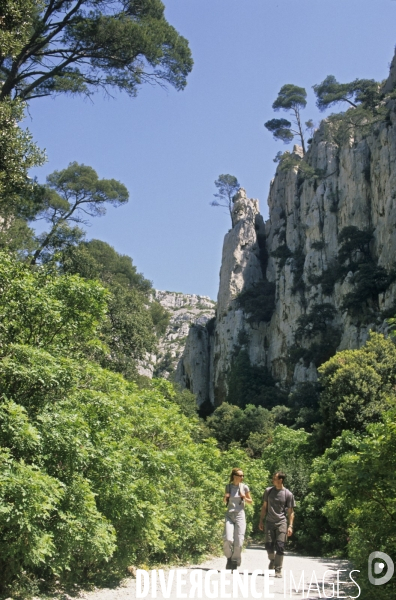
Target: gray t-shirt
{"x":278,"y":501}
{"x":234,"y":503}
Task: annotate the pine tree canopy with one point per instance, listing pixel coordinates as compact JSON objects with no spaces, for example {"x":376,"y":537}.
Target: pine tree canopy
{"x":80,"y":46}
{"x":330,"y":92}
{"x":290,"y":97}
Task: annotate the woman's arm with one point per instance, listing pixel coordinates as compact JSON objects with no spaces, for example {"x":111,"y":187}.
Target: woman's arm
{"x":248,"y":498}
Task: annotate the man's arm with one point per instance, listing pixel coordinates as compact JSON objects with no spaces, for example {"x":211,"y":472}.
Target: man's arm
{"x":290,"y":518}
{"x":262,"y":515}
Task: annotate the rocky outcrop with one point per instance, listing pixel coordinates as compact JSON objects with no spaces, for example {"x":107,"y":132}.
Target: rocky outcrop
{"x":328,"y":251}
{"x":186,"y":310}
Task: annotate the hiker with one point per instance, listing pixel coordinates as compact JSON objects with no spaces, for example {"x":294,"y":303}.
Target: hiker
{"x":236,"y":494}
{"x":278,"y":508}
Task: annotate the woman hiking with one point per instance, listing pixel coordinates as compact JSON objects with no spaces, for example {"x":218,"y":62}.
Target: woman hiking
{"x":236,"y":494}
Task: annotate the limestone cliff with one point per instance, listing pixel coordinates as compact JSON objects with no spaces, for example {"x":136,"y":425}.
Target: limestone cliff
{"x":318,"y":275}
{"x":186,"y":311}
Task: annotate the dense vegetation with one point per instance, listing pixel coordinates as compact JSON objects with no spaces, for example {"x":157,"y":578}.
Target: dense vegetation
{"x":101,"y":469}
{"x":96,"y":473}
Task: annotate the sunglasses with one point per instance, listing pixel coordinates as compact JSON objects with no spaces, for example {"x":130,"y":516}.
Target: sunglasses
{"x":236,"y":475}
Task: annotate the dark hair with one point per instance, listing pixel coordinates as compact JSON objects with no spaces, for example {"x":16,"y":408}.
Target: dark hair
{"x":280,"y":475}
{"x":234,"y":472}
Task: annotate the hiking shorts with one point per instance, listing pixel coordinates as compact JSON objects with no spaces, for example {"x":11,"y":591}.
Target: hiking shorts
{"x":275,"y":536}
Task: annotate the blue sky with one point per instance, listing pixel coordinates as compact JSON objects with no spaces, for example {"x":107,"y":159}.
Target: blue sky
{"x":168,"y":147}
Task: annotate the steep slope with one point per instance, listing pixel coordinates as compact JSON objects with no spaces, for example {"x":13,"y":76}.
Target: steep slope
{"x":186,"y":310}
{"x":320,"y":274}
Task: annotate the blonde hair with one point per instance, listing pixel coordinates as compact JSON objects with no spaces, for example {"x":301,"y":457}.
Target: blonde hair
{"x":234,"y":472}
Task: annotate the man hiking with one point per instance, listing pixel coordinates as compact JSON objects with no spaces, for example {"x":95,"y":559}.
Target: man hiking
{"x":278,"y":508}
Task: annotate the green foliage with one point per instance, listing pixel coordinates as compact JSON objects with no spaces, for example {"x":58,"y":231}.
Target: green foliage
{"x":88,"y":460}
{"x":17,"y":236}
{"x":329,"y":277}
{"x":354,"y":245}
{"x":317,"y":245}
{"x":227,"y":186}
{"x":229,"y":424}
{"x":355,"y":123}
{"x":160,"y":317}
{"x":290,"y":451}
{"x":16,"y":22}
{"x":38,"y":308}
{"x":98,"y":260}
{"x":69,"y":196}
{"x":102,"y":439}
{"x":315,"y":534}
{"x":298,"y":271}
{"x":368,"y":473}
{"x":129,"y":332}
{"x":316,"y":321}
{"x":369,"y":281}
{"x":280,"y":129}
{"x":282,"y":252}
{"x":134,"y":321}
{"x":330,"y":92}
{"x":115,"y":46}
{"x":258,"y":302}
{"x":18,"y":153}
{"x":305,"y":171}
{"x":356,"y":384}
{"x":315,"y":327}
{"x":291,"y":98}
{"x":303,"y":404}
{"x":250,"y":384}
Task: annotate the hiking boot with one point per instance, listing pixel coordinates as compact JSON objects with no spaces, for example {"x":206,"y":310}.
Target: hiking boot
{"x":229,"y":564}
{"x":278,"y":572}
{"x":271,"y":565}
{"x":234,"y":565}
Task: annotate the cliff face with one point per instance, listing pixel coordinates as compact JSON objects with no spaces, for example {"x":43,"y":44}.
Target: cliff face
{"x":186,"y":311}
{"x":318,"y":275}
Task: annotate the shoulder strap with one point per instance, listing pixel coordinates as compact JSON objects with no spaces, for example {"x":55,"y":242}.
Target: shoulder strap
{"x":241,"y":492}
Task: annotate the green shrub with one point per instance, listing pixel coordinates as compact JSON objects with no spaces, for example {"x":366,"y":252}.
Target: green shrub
{"x":315,"y":325}
{"x":251,"y":384}
{"x":369,"y":280}
{"x":258,"y":302}
{"x":354,"y":245}
{"x":356,"y":384}
{"x":319,"y":245}
{"x":329,"y":277}
{"x":298,"y":271}
{"x":282,"y":253}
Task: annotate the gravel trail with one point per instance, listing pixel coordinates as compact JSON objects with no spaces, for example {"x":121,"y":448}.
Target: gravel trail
{"x":254,"y":558}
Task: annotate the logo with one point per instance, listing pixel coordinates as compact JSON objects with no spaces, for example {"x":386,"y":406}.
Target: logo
{"x":376,"y":566}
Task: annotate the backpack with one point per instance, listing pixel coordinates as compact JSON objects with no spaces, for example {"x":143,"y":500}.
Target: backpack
{"x":241,"y":492}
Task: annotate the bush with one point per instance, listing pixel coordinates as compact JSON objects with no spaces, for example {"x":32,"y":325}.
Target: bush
{"x":250,"y":384}
{"x":258,"y":302}
{"x":356,"y":384}
{"x":282,"y":253}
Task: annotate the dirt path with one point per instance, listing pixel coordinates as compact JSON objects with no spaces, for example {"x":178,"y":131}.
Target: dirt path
{"x":312,"y":570}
